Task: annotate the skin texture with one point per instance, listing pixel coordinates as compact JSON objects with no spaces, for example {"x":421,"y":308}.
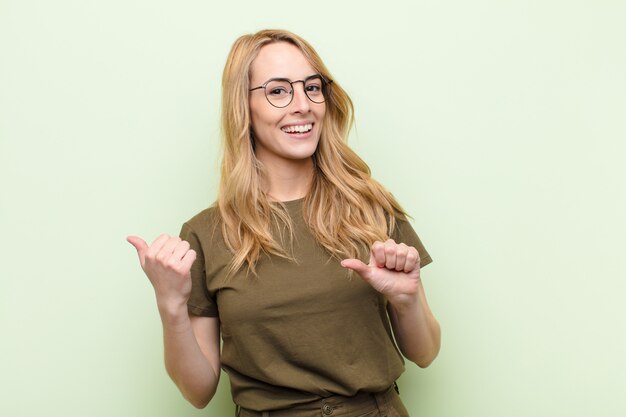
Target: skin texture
{"x":192,"y":355}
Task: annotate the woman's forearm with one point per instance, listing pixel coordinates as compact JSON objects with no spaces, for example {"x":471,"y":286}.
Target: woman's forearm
{"x":193,"y":366}
{"x":416,"y":330}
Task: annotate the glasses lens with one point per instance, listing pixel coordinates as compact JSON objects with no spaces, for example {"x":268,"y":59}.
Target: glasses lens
{"x":315,"y":89}
{"x":278,"y":93}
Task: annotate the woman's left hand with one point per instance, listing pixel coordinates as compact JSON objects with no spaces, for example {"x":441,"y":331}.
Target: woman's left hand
{"x":393,"y":270}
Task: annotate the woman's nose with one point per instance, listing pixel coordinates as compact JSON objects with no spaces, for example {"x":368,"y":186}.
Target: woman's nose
{"x":301,"y":102}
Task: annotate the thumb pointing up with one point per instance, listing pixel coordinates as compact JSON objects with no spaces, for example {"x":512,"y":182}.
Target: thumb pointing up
{"x":141,"y":247}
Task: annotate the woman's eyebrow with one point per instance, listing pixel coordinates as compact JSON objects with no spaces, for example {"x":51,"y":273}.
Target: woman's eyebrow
{"x":289,"y":79}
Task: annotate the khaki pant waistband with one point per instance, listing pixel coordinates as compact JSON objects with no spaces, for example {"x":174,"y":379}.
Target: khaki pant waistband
{"x":333,"y":406}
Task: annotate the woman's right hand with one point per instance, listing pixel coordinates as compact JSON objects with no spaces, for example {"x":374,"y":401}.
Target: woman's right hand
{"x":191,"y":343}
{"x":167,"y":263}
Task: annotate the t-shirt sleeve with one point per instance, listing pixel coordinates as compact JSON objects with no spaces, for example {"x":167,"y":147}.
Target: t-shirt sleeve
{"x":200,"y":302}
{"x":404,"y":233}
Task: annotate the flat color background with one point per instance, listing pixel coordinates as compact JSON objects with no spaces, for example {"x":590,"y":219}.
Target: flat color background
{"x":499,"y":125}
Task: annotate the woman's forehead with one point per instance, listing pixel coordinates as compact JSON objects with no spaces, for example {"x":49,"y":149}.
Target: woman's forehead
{"x":280,"y":60}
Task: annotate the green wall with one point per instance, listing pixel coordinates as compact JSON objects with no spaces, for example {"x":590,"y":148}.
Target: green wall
{"x":499,"y":125}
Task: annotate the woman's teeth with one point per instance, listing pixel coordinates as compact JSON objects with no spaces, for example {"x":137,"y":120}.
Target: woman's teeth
{"x":298,"y":129}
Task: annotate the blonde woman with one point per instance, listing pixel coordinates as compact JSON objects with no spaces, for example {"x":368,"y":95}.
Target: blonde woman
{"x":305,"y":266}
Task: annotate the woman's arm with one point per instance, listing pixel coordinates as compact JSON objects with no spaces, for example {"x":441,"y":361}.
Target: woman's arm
{"x":192,"y":355}
{"x":394,"y":271}
{"x":417,"y":331}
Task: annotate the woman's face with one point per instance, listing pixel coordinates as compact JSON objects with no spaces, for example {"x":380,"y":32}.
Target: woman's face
{"x":291,"y":133}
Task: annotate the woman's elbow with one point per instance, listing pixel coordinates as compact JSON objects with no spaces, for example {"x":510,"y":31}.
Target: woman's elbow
{"x":199,"y":401}
{"x":425,"y":362}
{"x":199,"y":398}
{"x":199,"y":404}
{"x":424,"y":358}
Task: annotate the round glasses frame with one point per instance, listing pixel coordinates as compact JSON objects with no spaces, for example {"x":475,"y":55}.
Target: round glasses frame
{"x":325,"y":89}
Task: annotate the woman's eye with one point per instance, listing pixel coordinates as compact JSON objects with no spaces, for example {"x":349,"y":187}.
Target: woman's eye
{"x":313,"y":88}
{"x":278,"y":91}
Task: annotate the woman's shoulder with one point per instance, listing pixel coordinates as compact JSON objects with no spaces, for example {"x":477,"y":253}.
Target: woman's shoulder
{"x":403,"y":232}
{"x":205,"y":221}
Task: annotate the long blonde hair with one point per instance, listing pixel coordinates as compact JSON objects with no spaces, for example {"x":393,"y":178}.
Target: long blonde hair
{"x":345,"y":208}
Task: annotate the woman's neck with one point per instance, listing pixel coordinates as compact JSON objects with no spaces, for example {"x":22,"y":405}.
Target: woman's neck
{"x":288,"y":180}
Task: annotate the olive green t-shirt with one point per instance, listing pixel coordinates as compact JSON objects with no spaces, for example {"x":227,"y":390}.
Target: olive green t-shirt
{"x":297,"y":331}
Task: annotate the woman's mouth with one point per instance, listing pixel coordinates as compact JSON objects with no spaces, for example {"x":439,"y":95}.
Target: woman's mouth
{"x":297,"y":130}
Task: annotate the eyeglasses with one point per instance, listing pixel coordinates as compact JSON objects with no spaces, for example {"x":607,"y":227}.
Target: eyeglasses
{"x":279,"y":91}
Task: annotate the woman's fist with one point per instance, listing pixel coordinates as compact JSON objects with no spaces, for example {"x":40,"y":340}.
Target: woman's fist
{"x":393,"y":270}
{"x":167,"y":263}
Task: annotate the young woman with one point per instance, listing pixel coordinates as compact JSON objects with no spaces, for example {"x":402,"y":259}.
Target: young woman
{"x":305,"y":266}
